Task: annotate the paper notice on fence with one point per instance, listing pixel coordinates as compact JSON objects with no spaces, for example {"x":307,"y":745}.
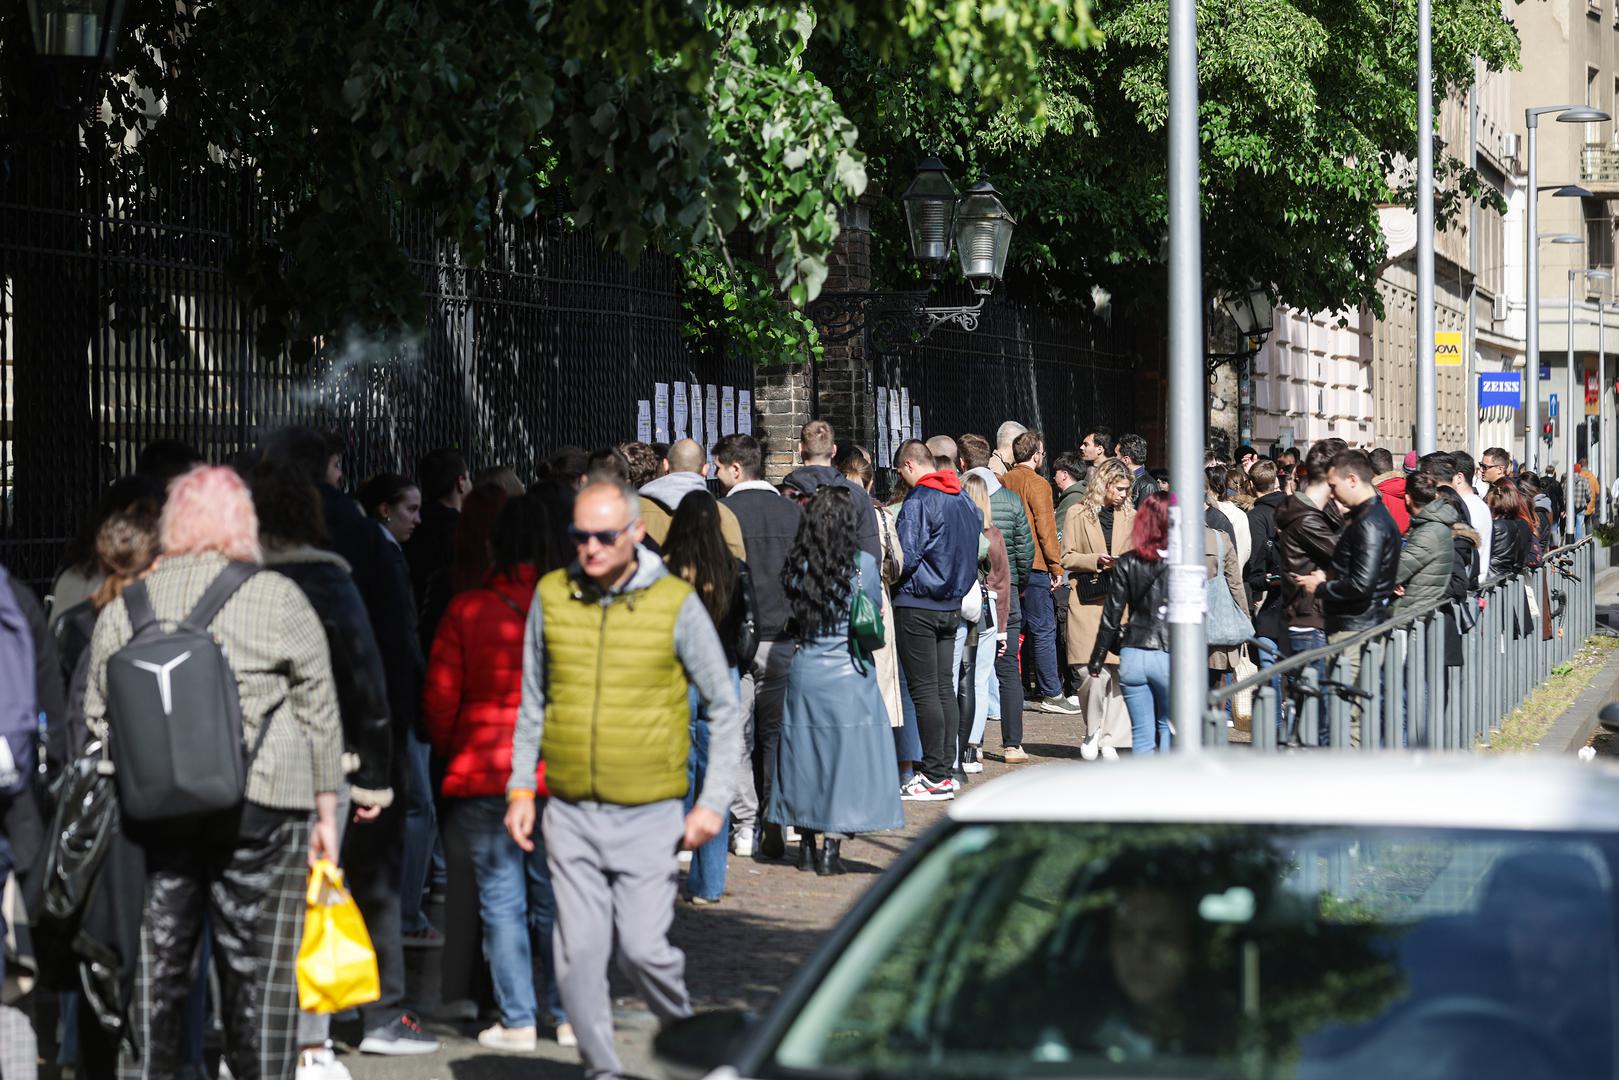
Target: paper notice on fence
{"x":697,"y":412}
{"x":680,"y":410}
{"x":744,"y":412}
{"x":660,"y":412}
{"x":893,"y":423}
{"x":905,"y":413}
{"x":882,"y":427}
{"x":711,"y":417}
{"x":643,"y":421}
{"x":727,"y":410}
{"x":916,"y":421}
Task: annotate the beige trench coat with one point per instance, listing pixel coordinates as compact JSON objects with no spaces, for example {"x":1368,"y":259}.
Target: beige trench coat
{"x":887,"y":657}
{"x":1081,"y":544}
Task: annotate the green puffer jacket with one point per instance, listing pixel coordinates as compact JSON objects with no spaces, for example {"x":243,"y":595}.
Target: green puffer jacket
{"x":1426,"y":559}
{"x":1006,"y":509}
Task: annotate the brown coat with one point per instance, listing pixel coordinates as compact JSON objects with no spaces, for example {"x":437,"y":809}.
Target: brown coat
{"x":658,"y":519}
{"x":1224,"y":659}
{"x":1081,"y":544}
{"x":1035,"y":491}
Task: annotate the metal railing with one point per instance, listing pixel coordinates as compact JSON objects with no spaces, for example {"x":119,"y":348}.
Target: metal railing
{"x":1391,"y":688}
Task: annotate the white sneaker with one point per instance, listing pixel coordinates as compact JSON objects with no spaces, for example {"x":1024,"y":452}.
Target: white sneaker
{"x":321,"y":1064}
{"x":1073,"y":699}
{"x":518,"y":1040}
{"x":565,"y":1035}
{"x":789,"y":835}
{"x":1109,"y":754}
{"x":1088,"y":750}
{"x":742,"y":842}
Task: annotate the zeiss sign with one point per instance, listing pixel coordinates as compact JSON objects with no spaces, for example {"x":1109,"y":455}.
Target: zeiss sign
{"x":1500,"y":389}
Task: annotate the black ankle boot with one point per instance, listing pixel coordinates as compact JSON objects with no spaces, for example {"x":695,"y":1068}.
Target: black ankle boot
{"x":771,"y":844}
{"x":807,"y":857}
{"x":829,"y":861}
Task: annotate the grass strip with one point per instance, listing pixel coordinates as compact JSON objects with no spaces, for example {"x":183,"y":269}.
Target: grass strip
{"x":1526,"y":725}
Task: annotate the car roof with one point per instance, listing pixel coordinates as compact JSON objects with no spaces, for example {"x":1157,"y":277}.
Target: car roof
{"x":1486,"y":791}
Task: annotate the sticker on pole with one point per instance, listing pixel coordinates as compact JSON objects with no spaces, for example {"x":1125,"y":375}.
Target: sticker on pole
{"x":1187,"y":598}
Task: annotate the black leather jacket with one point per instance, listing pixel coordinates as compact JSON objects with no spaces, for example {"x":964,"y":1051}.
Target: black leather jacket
{"x":1143,"y":587}
{"x":1365,"y":567}
{"x":1512,"y":546}
{"x":362,"y":690}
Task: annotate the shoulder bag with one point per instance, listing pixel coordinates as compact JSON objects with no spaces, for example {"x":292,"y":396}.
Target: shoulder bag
{"x":866,"y":633}
{"x":1227,"y":625}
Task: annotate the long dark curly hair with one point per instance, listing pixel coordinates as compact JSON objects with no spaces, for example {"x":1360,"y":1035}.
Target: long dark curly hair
{"x":819,"y":568}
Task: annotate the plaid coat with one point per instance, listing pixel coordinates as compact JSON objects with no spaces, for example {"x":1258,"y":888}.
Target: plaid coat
{"x":276,"y":647}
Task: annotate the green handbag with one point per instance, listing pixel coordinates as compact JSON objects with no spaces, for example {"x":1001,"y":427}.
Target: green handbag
{"x":866,"y":634}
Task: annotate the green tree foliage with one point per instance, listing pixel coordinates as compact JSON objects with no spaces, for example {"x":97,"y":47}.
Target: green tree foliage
{"x":1308,"y":114}
{"x":669,"y":125}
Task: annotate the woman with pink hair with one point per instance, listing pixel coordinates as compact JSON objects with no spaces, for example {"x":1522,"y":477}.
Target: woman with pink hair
{"x":243,"y":869}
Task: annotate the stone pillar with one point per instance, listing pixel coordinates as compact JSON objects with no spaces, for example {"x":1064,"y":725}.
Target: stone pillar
{"x":836,"y":389}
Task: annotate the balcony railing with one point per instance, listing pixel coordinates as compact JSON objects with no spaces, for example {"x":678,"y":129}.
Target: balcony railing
{"x":1599,"y":162}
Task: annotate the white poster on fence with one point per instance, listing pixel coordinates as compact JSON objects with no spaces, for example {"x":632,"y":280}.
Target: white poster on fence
{"x":660,"y":412}
{"x":643,"y":421}
{"x":680,"y":410}
{"x":744,"y":411}
{"x":882,"y":427}
{"x":893,"y":423}
{"x":916,"y":421}
{"x":905,"y":414}
{"x":697,"y":412}
{"x":728,"y":410}
{"x":711,"y":418}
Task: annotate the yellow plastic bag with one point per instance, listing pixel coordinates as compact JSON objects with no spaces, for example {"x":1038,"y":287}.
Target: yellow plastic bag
{"x":337,"y":968}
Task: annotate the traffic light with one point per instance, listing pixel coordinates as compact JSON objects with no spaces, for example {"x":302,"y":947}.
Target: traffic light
{"x":1546,"y":432}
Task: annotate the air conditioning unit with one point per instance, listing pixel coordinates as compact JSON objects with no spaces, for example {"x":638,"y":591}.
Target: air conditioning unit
{"x":1511,"y":146}
{"x":1498,"y":308}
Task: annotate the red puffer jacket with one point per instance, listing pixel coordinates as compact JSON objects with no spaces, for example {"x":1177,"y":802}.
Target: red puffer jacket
{"x":475,"y":684}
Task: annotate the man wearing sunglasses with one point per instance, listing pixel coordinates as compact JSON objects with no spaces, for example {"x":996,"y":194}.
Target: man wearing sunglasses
{"x":612,"y":644}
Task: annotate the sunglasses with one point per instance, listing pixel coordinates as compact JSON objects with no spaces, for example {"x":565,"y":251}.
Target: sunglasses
{"x":604,"y":537}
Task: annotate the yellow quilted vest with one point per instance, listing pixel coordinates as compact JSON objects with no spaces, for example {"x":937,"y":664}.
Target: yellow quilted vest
{"x":617,"y":718}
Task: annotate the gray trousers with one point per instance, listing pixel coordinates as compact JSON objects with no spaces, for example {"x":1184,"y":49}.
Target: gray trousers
{"x":613,"y":868}
{"x":764,"y":689}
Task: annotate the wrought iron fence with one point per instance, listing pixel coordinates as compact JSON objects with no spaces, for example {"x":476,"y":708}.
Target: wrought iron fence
{"x":122,"y":321}
{"x":1401,"y":685}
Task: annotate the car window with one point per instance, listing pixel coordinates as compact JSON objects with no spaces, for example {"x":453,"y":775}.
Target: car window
{"x":1073,"y":949}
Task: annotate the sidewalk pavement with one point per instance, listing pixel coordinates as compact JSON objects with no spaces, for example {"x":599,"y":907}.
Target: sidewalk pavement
{"x":738,"y":954}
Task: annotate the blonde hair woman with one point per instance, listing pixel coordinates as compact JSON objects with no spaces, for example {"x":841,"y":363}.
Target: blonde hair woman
{"x":1094,"y":533}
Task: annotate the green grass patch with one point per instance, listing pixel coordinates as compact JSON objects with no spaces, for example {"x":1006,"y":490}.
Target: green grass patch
{"x":1526,"y":725}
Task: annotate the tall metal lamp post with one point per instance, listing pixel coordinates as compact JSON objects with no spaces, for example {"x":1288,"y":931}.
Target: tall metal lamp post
{"x":1569,"y":513}
{"x":1566,"y":114}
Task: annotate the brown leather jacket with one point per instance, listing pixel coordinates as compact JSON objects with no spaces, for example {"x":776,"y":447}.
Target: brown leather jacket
{"x":1308,"y":537}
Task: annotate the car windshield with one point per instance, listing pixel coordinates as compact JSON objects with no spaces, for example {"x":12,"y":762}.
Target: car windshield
{"x":1247,"y":951}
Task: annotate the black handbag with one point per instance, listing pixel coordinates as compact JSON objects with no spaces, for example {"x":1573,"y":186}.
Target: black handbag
{"x":1092,"y":587}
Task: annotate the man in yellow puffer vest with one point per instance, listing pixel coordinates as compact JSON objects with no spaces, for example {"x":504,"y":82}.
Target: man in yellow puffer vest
{"x":612,"y":644}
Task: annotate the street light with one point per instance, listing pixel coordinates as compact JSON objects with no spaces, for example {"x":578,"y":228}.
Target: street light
{"x":1566,"y":114}
{"x":1569,"y":514}
{"x":76,"y":29}
{"x":930,"y":212}
{"x":1252,"y":311}
{"x":983,"y":236}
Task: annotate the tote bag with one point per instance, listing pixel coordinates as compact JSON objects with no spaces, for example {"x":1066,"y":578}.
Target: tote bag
{"x":337,"y":967}
{"x":1227,"y":625}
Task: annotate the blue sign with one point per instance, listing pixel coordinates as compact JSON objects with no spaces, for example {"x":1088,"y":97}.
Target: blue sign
{"x":1545,"y":372}
{"x":1551,"y":412}
{"x":1501,"y":388}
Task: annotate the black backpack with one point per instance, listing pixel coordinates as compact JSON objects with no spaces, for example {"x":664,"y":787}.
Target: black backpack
{"x":173,"y":714}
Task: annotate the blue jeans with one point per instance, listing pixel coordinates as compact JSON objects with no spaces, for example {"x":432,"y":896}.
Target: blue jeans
{"x":518,"y":909}
{"x":421,"y":835}
{"x":1303,"y":641}
{"x":908,"y":738}
{"x":1144,"y":679}
{"x":984,"y":678}
{"x":706,"y":879}
{"x":1040,"y":627}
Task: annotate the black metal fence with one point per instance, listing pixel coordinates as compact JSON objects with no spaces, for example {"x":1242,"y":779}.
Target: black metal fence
{"x":121,"y":322}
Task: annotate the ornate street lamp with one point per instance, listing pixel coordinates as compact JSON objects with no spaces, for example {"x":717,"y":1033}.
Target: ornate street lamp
{"x":1252,"y":310}
{"x":976,"y":224}
{"x":85,"y":30}
{"x":930,"y":212}
{"x":983,"y":236}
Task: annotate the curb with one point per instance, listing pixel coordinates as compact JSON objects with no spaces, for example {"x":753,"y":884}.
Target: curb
{"x":1574,"y":728}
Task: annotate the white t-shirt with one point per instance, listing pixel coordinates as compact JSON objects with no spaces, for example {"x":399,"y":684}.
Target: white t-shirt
{"x":1478,"y":516}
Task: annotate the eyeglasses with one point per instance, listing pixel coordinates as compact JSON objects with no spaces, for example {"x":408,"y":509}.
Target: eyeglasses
{"x":604,"y":537}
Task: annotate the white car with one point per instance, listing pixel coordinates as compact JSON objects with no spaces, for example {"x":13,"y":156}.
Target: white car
{"x":1292,"y":916}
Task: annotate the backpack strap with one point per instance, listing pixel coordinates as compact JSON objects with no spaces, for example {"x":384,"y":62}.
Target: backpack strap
{"x":220,"y":590}
{"x":138,"y":602}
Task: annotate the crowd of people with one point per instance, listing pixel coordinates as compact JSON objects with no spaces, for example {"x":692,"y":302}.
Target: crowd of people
{"x":538,"y":701}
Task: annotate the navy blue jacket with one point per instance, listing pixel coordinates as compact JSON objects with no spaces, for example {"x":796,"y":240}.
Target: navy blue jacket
{"x":938,"y":531}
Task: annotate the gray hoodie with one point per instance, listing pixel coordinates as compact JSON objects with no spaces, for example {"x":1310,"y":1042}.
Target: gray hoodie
{"x":673,"y":487}
{"x":696,"y":644}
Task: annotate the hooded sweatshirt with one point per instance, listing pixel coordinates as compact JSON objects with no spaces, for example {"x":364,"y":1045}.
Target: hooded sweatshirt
{"x":939,"y":529}
{"x":803,"y":481}
{"x":1391,"y":487}
{"x":660,"y":499}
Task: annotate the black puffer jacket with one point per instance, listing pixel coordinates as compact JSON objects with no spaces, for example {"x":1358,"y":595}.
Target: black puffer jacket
{"x":362,"y":690}
{"x":1512,"y":546}
{"x":1365,"y":567}
{"x":1143,"y":588}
